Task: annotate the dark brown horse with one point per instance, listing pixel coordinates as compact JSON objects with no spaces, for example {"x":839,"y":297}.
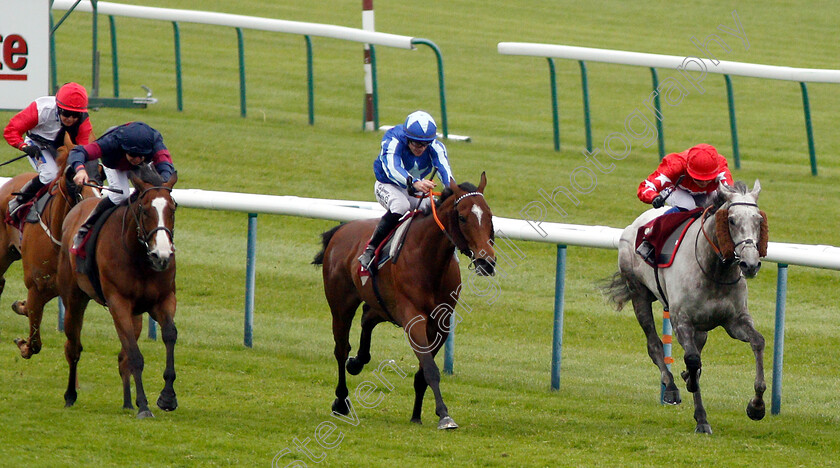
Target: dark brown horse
{"x":135,"y":256}
{"x":417,"y":293}
{"x":38,"y":246}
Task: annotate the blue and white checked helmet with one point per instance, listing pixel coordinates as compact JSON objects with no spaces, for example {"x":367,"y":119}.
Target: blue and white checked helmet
{"x":420,"y":126}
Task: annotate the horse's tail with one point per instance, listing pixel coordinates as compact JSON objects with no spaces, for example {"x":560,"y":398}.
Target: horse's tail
{"x":325,"y":240}
{"x":616,"y":289}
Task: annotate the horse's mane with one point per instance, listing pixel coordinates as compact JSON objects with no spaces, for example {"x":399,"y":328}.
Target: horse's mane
{"x":719,"y":199}
{"x":148,"y":174}
{"x":447,"y":192}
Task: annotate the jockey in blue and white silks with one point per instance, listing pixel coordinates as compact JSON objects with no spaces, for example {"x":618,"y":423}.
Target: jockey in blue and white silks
{"x":409,"y":153}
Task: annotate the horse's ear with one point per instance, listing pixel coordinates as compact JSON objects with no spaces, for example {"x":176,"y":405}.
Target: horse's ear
{"x":68,"y":141}
{"x":453,"y":186}
{"x":138,"y":181}
{"x":482,"y":183}
{"x":172,"y":179}
{"x":756,"y":189}
{"x":724,"y":239}
{"x":763,"y":233}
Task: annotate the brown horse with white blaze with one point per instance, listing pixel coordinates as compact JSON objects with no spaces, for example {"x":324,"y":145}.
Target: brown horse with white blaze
{"x":135,"y":261}
{"x":417,"y":293}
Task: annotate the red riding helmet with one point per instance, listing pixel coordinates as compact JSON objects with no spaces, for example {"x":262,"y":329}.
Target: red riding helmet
{"x":72,"y":97}
{"x":703,"y":162}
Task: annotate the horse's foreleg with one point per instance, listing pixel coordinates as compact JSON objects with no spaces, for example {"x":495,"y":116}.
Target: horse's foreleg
{"x":34,"y":310}
{"x":744,"y":330}
{"x":425,"y":351}
{"x":124,"y":322}
{"x":420,"y":386}
{"x":74,"y":314}
{"x":644,"y":315}
{"x":369,"y":321}
{"x":167,"y":400}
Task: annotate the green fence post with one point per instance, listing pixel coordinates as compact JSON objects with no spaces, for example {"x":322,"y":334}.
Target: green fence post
{"x":115,"y":69}
{"x":660,"y":136}
{"x":94,"y":62}
{"x":584,"y":84}
{"x":441,"y":85}
{"x":53,"y":65}
{"x":730,"y":96}
{"x":179,"y":85}
{"x":241,"y":42}
{"x":556,"y":119}
{"x":310,"y":82}
{"x":808,"y":129}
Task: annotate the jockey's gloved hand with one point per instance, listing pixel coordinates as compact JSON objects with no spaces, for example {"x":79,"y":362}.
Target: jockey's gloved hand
{"x":658,"y":202}
{"x":32,"y":151}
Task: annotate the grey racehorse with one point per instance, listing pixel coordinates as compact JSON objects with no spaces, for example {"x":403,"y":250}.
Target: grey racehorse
{"x":704,"y":288}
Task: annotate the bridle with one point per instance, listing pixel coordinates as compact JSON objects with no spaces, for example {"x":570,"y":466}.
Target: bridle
{"x":725,"y":261}
{"x":138,"y":213}
{"x":464,"y":250}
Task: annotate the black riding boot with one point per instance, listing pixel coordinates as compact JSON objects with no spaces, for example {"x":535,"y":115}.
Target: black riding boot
{"x":388,"y":221}
{"x":26,"y":192}
{"x":104,"y":205}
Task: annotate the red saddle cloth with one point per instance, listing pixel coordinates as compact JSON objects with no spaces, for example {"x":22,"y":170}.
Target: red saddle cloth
{"x":665,"y":233}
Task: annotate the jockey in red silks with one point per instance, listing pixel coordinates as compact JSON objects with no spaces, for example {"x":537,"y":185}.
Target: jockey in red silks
{"x":409,"y":153}
{"x":39,"y":129}
{"x":686,"y":180}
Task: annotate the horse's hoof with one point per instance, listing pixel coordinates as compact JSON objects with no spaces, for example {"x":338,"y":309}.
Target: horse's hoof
{"x":69,"y":400}
{"x":671,"y":396}
{"x":755,"y":411}
{"x":447,"y":423}
{"x":703,"y":429}
{"x":340,"y":407}
{"x":354,"y":366}
{"x":417,"y":421}
{"x":25,"y":352}
{"x":145,"y":414}
{"x":167,"y":404}
{"x":19,"y":307}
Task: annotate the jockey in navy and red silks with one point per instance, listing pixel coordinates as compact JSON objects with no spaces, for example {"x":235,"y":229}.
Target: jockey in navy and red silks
{"x":409,"y":152}
{"x":686,"y":180}
{"x":120,"y":149}
{"x":39,"y":129}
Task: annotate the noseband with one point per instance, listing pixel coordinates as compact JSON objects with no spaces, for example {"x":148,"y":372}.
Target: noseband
{"x":142,"y":236}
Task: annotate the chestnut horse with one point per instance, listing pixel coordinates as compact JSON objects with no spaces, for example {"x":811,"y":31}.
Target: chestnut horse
{"x":417,"y":293}
{"x":38,"y":246}
{"x":135,"y":260}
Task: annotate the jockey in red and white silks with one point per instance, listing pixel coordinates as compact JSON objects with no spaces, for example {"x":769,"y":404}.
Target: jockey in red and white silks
{"x":685,"y":180}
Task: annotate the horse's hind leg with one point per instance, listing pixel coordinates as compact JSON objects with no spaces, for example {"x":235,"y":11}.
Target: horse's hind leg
{"x":644,"y":315}
{"x":369,"y":321}
{"x":342,"y":313}
{"x":744,"y":330}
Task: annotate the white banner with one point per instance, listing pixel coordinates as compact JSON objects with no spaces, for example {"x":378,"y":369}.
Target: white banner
{"x":24,"y":52}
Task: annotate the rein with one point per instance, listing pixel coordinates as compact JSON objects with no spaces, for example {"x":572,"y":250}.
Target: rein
{"x":466,"y":252}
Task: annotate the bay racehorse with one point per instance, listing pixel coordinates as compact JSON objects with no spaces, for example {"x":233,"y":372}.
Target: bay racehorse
{"x":417,"y":293}
{"x":704,"y":288}
{"x":38,"y":245}
{"x":135,"y":262}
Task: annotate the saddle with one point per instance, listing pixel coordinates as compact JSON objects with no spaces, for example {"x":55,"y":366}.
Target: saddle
{"x":26,"y":213}
{"x":658,"y":240}
{"x":391,"y":247}
{"x":86,"y":255}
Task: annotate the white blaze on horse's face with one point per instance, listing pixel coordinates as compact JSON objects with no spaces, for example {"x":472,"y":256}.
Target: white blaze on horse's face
{"x":478,"y":213}
{"x":163,"y":248}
